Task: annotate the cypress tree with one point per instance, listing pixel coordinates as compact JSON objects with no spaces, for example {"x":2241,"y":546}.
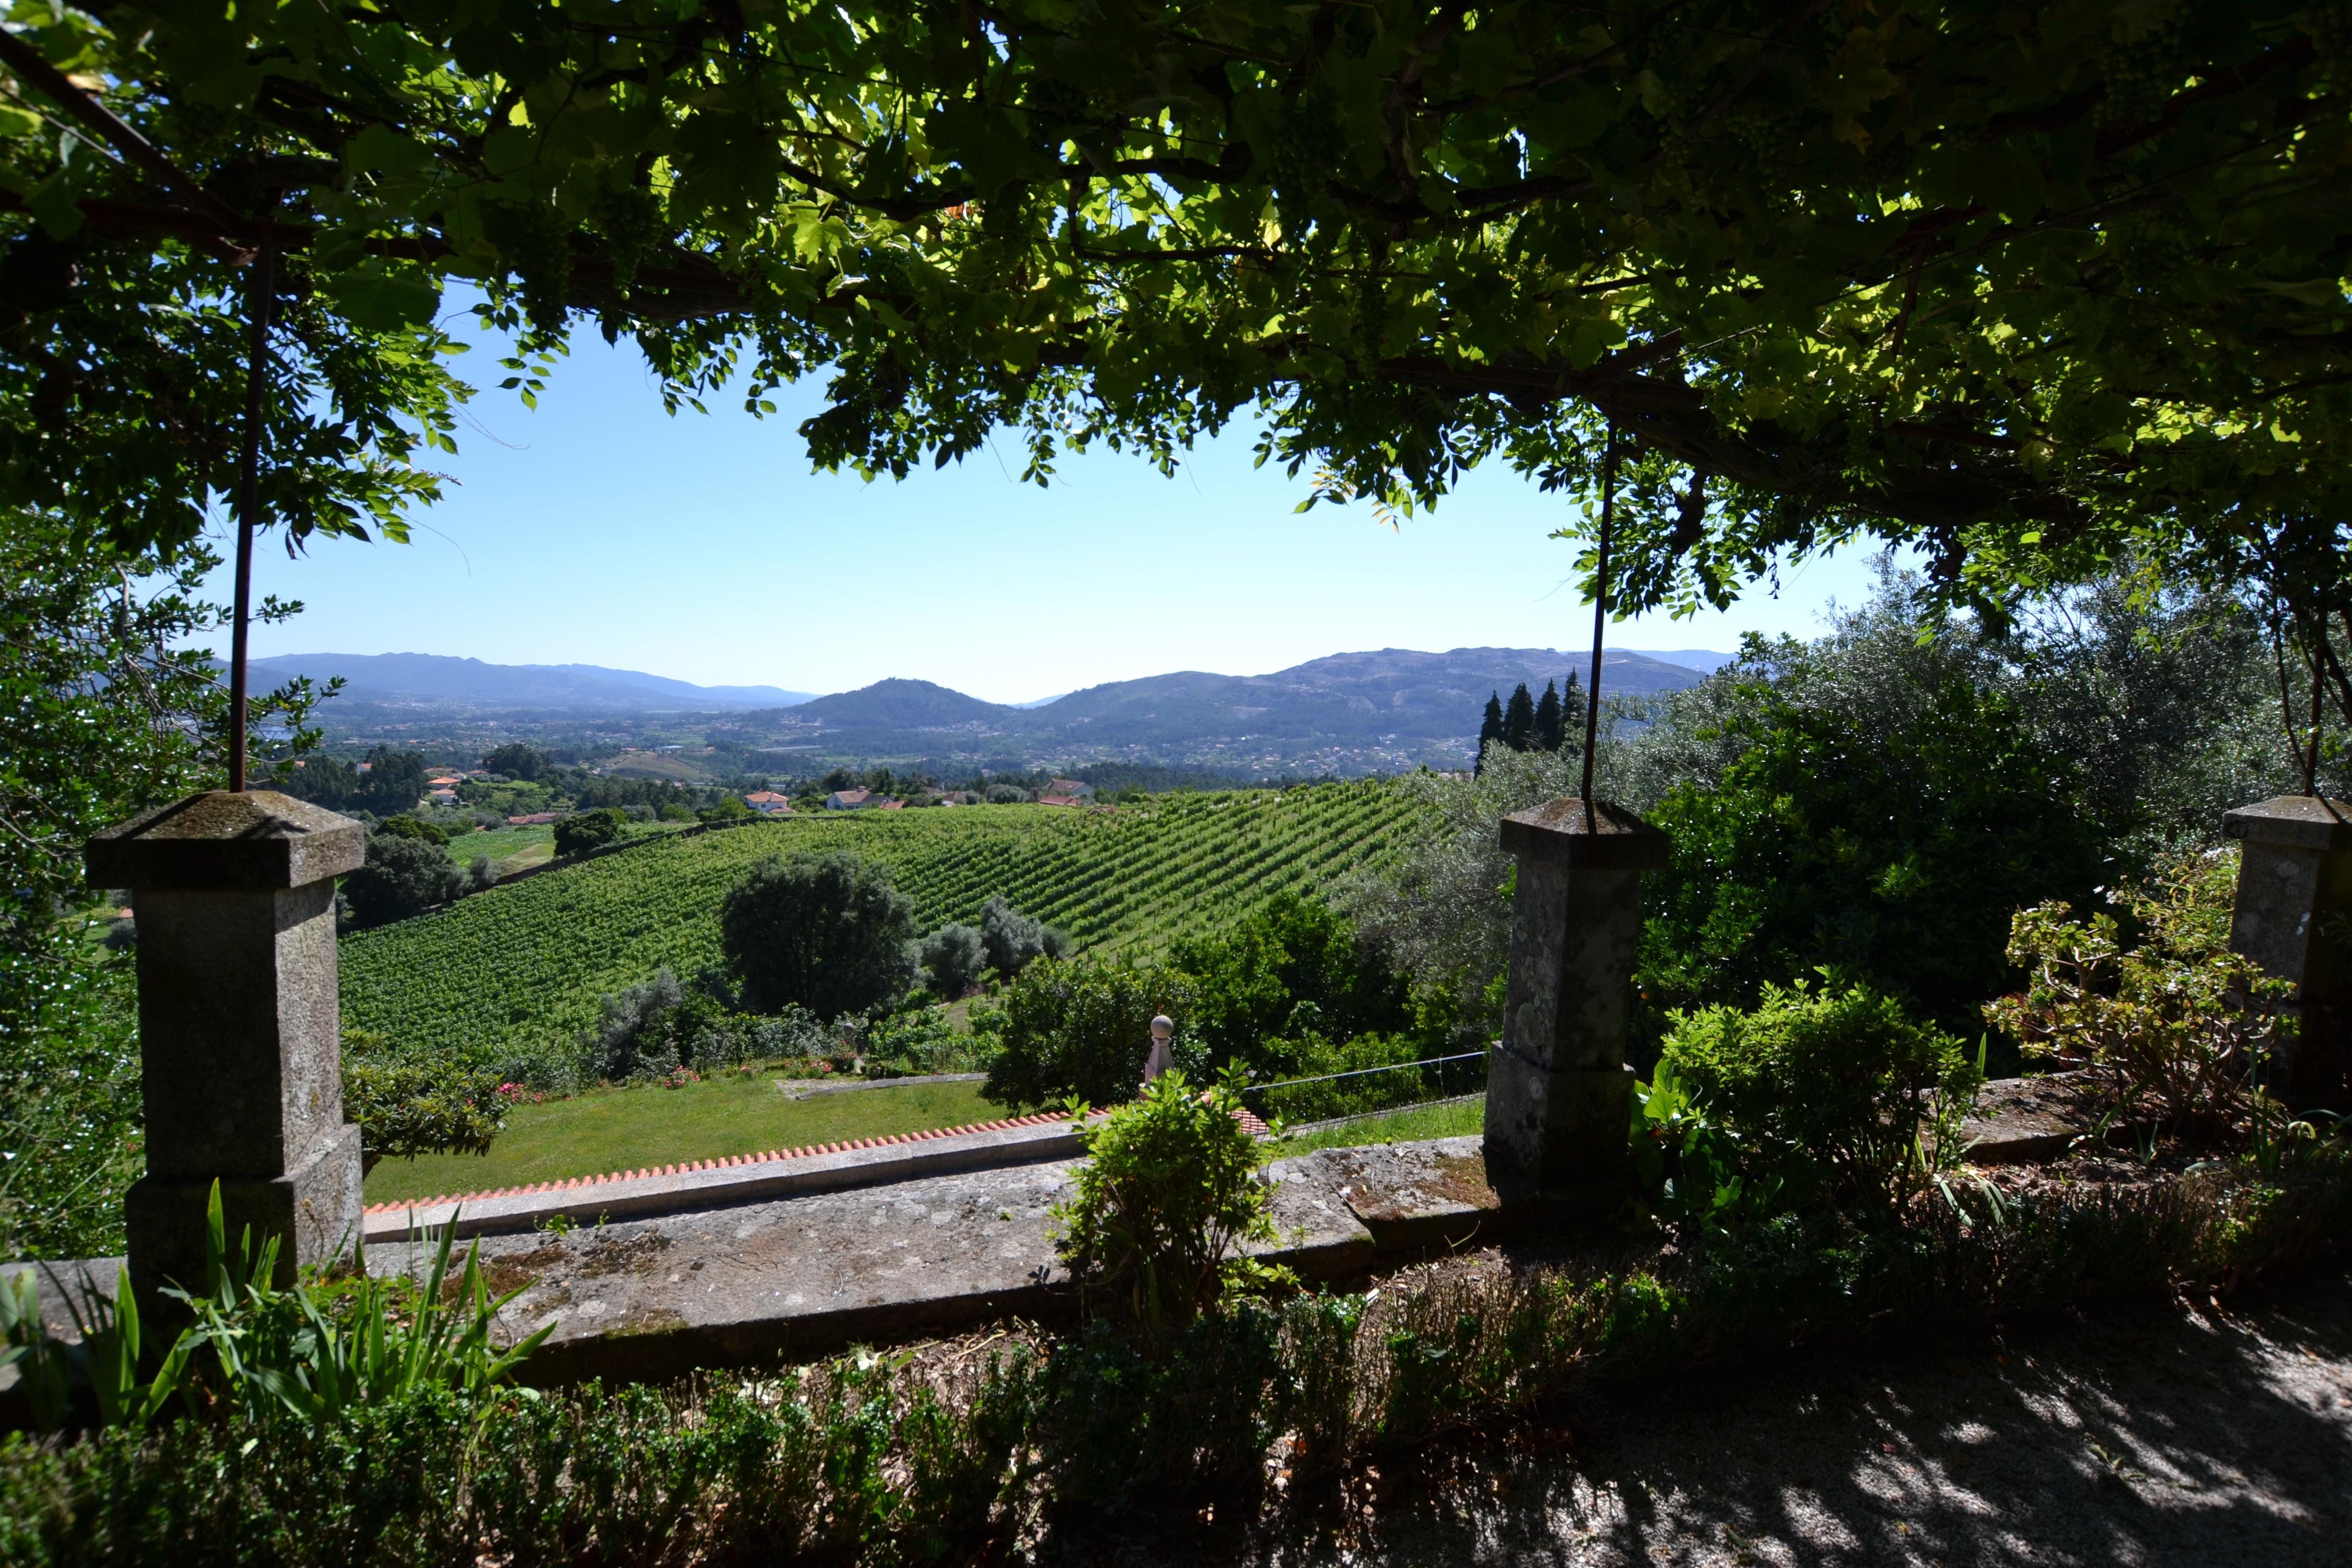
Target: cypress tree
{"x":1571,"y":712}
{"x":1547,"y":719}
{"x":1520,"y":720}
{"x":1490,"y":729}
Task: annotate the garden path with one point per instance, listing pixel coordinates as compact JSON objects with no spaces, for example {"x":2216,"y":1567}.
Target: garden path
{"x":2143,"y":1437}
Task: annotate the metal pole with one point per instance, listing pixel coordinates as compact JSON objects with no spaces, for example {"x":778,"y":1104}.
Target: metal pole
{"x":1600,"y":616}
{"x":261,"y":287}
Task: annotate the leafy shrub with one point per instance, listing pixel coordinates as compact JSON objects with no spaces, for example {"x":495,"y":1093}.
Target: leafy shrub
{"x":404,"y":825}
{"x":70,"y":1111}
{"x":1889,"y":846}
{"x":1079,"y":1029}
{"x":828,"y":932}
{"x":1006,"y":795}
{"x":639,"y":1035}
{"x":1827,"y":1088}
{"x":1311,"y":1056}
{"x":1169,"y":1193}
{"x":920,"y":1040}
{"x":480,"y":876}
{"x":400,"y":877}
{"x":316,"y":1349}
{"x":1687,"y":1161}
{"x":2173,"y":1033}
{"x":587,"y":830}
{"x":1011,"y":940}
{"x":1292,"y":970}
{"x":418,"y":1106}
{"x":729,"y":808}
{"x":952,"y":958}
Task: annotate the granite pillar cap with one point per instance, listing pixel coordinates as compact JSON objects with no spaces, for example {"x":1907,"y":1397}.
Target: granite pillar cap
{"x":2295,"y":821}
{"x":1556,"y":833}
{"x":255,"y":842}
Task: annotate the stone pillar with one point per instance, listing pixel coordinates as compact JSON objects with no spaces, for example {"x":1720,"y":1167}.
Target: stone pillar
{"x":2293,"y":916}
{"x":1559,"y":1094}
{"x":239,"y":1046}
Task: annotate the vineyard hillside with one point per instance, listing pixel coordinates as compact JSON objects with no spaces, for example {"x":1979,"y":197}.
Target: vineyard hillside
{"x":500,"y":974}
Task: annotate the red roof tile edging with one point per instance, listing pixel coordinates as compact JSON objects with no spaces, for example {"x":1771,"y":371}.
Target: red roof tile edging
{"x":1250,"y":1125}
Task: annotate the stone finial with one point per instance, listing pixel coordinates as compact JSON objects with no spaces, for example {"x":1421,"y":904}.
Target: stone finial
{"x":1557,"y":1091}
{"x":2294,"y":898}
{"x":239,"y":1036}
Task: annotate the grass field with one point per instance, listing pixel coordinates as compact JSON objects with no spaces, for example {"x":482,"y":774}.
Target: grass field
{"x":500,"y":843}
{"x":608,"y":1130}
{"x":509,"y":971}
{"x":1408,"y":1126}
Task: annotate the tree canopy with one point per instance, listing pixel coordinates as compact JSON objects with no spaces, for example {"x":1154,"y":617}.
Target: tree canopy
{"x":2026,"y":286}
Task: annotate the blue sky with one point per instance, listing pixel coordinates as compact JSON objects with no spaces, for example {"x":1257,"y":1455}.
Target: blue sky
{"x":600,"y":531}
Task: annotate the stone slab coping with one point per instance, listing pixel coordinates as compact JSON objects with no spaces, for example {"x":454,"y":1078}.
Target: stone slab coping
{"x":650,"y":1298}
{"x":739,"y":1179}
{"x":2024,"y":1120}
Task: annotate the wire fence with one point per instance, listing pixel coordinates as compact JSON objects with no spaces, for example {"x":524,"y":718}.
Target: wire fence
{"x":1356,"y":1090}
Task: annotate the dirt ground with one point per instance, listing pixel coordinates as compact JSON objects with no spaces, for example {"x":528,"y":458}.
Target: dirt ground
{"x":2180,"y":1435}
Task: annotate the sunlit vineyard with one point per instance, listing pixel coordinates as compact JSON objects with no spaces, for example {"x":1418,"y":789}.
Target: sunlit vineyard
{"x":523,"y":966}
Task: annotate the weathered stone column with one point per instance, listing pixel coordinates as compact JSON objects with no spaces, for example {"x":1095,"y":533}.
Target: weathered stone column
{"x":2294,"y":893}
{"x":1559,"y":1094}
{"x":240,"y":1054}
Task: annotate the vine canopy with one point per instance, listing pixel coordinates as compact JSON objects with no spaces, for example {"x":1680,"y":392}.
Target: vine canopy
{"x":2029,"y":287}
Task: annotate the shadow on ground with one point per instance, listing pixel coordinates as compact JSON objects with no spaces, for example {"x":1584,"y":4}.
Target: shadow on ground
{"x":2142,"y":1435}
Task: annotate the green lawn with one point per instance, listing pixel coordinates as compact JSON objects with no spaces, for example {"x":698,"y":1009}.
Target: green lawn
{"x":1408,"y":1126}
{"x":499,"y":843}
{"x":608,"y":1130}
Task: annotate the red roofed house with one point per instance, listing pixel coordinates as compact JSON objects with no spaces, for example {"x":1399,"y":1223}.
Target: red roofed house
{"x":1050,"y":798}
{"x":847,"y":799}
{"x":768,"y":802}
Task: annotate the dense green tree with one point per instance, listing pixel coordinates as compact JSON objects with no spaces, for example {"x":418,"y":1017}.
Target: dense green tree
{"x":393,"y":782}
{"x":401,"y":877}
{"x":1490,"y":726}
{"x":1291,"y":969}
{"x":406,"y":826}
{"x":518,"y":760}
{"x":1548,"y":731}
{"x":587,"y":830}
{"x":828,"y":932}
{"x":1892,"y":848}
{"x":1081,"y":1028}
{"x":1520,"y":720}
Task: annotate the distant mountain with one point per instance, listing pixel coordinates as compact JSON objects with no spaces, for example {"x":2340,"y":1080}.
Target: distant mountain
{"x":1386,"y":707}
{"x":901,"y":705}
{"x":411,"y":679}
{"x":1707,"y":661}
{"x":1351,"y":714}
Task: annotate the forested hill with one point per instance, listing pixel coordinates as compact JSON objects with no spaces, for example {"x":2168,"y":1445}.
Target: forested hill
{"x":1419,"y":706}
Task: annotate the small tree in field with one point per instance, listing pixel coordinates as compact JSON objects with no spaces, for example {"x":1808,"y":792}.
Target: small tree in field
{"x":589,"y":830}
{"x":401,"y":877}
{"x":952,"y":958}
{"x":827,"y":932}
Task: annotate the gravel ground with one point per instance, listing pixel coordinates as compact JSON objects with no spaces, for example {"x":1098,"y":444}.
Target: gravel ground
{"x":2138,"y":1437}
